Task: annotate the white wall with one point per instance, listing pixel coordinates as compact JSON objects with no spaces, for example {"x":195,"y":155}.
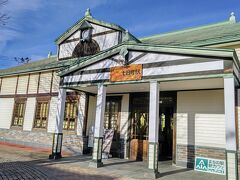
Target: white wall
{"x":104,"y":41}
{"x":52,"y":114}
{"x":29,"y":114}
{"x":6,"y":112}
{"x":22,"y":84}
{"x":9,"y":85}
{"x":45,"y":82}
{"x":200,"y":118}
{"x":33,"y":83}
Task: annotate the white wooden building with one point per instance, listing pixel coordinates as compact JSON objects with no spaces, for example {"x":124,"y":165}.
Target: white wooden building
{"x":171,"y":96}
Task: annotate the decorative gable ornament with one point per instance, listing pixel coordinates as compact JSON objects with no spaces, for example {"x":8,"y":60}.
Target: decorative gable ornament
{"x":124,"y":54}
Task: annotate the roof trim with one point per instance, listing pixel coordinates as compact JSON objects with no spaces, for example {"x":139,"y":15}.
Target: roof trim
{"x":77,"y":25}
{"x":224,"y":53}
{"x":185,"y":30}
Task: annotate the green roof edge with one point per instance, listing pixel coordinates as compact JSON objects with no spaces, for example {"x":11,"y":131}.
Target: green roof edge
{"x":185,"y":30}
{"x":93,"y":20}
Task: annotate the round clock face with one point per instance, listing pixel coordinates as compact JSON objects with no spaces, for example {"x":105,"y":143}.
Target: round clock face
{"x":85,"y":34}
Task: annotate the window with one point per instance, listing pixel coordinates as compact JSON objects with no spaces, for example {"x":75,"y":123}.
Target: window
{"x":70,"y":115}
{"x":41,"y":115}
{"x":18,"y":112}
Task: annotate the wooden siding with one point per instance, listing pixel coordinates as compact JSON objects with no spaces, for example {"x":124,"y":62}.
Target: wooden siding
{"x":29,"y":114}
{"x":52,"y":115}
{"x":166,"y":66}
{"x":9,"y":85}
{"x":22,"y":84}
{"x":107,"y":41}
{"x":66,"y":49}
{"x":33,"y":83}
{"x":200,"y":115}
{"x":6,"y":112}
{"x":55,"y":83}
{"x":45,"y":82}
{"x":105,"y":37}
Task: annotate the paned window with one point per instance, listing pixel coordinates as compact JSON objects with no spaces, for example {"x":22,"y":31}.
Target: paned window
{"x":18,"y":112}
{"x":41,"y":114}
{"x":70,"y":115}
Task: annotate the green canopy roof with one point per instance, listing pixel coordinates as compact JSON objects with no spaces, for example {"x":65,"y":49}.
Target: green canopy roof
{"x":40,"y":65}
{"x":223,"y":32}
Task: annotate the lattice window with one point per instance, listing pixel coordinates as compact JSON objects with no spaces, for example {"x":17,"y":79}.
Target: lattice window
{"x":18,"y":112}
{"x":70,"y":115}
{"x":41,"y":115}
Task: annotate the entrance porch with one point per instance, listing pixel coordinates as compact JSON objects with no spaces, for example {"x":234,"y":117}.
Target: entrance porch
{"x":199,"y":125}
{"x":183,"y":114}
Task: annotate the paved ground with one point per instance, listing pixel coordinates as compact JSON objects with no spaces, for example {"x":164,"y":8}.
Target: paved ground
{"x":18,"y":162}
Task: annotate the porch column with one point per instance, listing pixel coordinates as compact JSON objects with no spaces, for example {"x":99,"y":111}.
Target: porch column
{"x":153,"y":128}
{"x":230,"y":123}
{"x":58,"y":136}
{"x":98,"y":129}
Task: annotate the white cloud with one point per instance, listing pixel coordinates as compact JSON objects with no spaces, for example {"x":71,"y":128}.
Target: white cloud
{"x":14,"y":9}
{"x":18,"y":6}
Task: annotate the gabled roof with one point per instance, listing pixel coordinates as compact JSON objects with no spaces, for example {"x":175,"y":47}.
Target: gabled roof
{"x":211,"y":52}
{"x":223,"y":32}
{"x":88,"y":19}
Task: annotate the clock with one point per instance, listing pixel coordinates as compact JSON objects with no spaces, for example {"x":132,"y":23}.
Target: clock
{"x":85,"y":34}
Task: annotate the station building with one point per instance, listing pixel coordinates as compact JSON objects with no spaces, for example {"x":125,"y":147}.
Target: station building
{"x":172,"y":96}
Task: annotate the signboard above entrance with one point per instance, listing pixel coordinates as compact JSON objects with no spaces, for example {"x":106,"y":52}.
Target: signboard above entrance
{"x":126,"y":73}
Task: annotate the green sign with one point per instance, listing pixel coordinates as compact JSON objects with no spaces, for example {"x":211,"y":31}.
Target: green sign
{"x":215,"y":166}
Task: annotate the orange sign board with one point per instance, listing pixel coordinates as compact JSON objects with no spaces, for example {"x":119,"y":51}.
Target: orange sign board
{"x":126,"y":73}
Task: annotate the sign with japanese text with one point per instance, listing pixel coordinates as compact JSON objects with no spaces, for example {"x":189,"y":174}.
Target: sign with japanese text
{"x":126,"y":73}
{"x":215,"y":166}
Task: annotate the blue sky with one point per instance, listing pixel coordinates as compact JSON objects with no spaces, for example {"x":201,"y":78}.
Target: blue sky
{"x":35,"y":24}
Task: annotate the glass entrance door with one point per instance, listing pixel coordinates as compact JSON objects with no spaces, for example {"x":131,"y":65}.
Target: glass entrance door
{"x":139,"y":126}
{"x":139,"y":108}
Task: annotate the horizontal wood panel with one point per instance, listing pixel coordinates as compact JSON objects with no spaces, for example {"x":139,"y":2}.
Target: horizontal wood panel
{"x":200,"y":118}
{"x":8,"y":85}
{"x":33,"y":83}
{"x":45,"y":82}
{"x":22,"y":84}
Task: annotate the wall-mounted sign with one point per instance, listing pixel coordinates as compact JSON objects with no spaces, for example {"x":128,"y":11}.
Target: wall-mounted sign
{"x":126,"y":73}
{"x":215,"y":166}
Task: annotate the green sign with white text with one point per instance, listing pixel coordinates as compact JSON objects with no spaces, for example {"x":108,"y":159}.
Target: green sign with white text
{"x":215,"y":166}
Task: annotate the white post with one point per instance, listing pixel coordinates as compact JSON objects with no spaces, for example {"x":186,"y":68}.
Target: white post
{"x":98,"y":129}
{"x":124,"y":127}
{"x":57,"y":136}
{"x":82,"y":106}
{"x":153,"y":128}
{"x":81,"y":113}
{"x":230,"y":123}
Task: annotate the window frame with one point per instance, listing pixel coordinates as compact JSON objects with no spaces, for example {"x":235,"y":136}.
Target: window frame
{"x":42,"y":100}
{"x":71,"y":98}
{"x":18,"y":101}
